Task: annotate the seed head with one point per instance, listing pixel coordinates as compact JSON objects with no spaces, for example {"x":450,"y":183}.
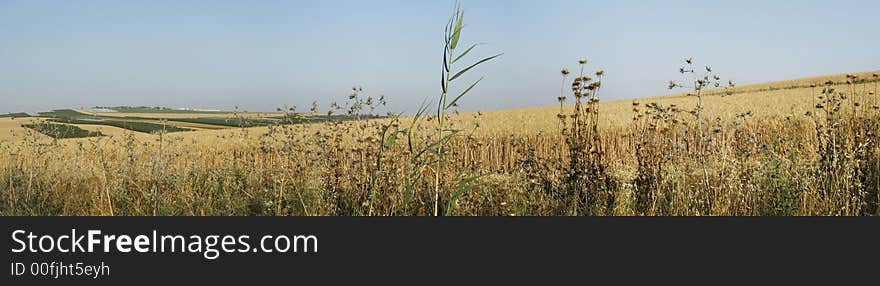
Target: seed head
{"x":564,"y":72}
{"x":583,"y":61}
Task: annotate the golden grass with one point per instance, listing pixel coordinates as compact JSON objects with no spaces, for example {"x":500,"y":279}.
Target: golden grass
{"x":108,"y":130}
{"x":618,"y":113}
{"x":780,"y":103}
{"x":328,"y":168}
{"x":11,"y":130}
{"x":764,"y":104}
{"x":780,"y":148}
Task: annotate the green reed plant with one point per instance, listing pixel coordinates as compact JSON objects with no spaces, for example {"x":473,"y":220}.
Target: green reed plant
{"x":448,"y":76}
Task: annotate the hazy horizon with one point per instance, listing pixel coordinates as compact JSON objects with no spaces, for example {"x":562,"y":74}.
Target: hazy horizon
{"x":263,"y":55}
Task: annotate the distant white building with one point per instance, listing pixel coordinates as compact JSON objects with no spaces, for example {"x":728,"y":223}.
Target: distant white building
{"x":198,"y":109}
{"x":101,"y":110}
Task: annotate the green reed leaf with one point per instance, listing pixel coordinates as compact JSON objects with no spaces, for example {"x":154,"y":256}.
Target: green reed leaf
{"x":457,"y":33}
{"x":454,"y":101}
{"x":465,"y":52}
{"x":472,"y":66}
{"x":462,"y":187}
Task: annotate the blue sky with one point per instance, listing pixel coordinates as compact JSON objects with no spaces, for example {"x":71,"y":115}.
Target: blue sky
{"x":260,"y":55}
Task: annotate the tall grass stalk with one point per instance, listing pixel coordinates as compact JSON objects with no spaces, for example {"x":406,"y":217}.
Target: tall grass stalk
{"x":448,"y":75}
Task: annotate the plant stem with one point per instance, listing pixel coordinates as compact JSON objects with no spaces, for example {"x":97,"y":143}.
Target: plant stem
{"x":441,"y":114}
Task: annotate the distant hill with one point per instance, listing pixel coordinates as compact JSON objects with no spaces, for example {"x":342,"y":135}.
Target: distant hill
{"x":63,"y":113}
{"x":15,"y":115}
{"x":156,"y":109}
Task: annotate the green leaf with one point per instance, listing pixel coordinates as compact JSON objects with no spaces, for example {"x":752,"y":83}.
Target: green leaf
{"x":409,"y":137}
{"x":427,"y":149}
{"x":451,"y":133}
{"x":465,"y":52}
{"x":454,"y":101}
{"x":390,"y":140}
{"x":446,"y":62}
{"x":463,"y":187}
{"x":430,"y":148}
{"x":457,"y":33}
{"x":472,"y":66}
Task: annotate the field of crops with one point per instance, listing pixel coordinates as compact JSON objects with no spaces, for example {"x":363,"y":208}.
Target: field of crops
{"x":61,"y":131}
{"x":129,"y":125}
{"x":762,"y":152}
{"x":230,"y":122}
{"x":798,"y":147}
{"x":158,"y":110}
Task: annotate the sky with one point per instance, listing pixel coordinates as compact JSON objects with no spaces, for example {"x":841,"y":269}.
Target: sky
{"x":261,"y":55}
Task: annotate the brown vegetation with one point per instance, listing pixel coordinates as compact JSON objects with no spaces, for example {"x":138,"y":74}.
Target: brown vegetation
{"x":804,"y":147}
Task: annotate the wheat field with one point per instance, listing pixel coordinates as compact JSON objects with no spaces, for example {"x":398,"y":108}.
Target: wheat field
{"x":791,"y":148}
{"x":765,"y":152}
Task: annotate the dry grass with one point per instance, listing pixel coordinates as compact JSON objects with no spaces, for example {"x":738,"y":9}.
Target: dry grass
{"x":11,"y":130}
{"x":109,"y":130}
{"x":763,"y":164}
{"x":765,"y":104}
{"x":801,"y":147}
